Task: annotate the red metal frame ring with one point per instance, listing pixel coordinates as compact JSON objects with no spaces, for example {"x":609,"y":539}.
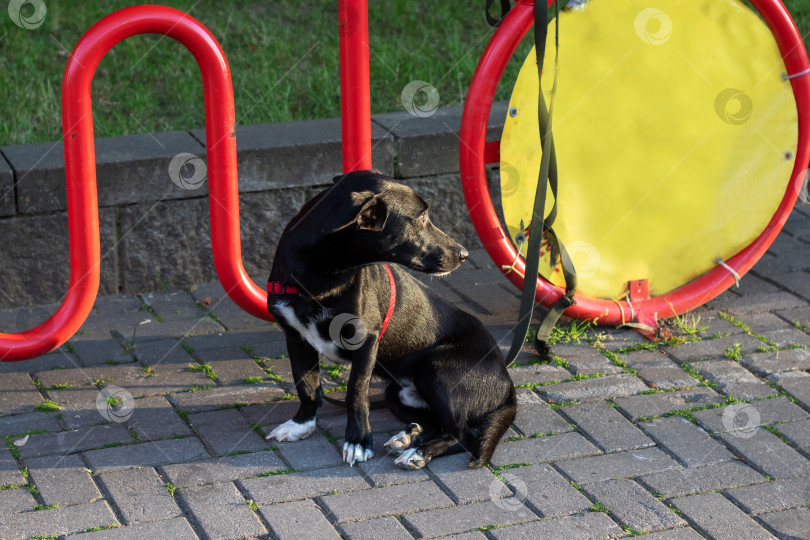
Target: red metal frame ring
{"x":497,"y":243}
{"x":80,"y":170}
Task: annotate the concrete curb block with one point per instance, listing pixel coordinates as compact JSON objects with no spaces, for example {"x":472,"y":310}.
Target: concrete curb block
{"x":156,"y":234}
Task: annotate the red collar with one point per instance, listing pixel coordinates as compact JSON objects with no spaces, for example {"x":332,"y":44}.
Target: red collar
{"x":275,"y":287}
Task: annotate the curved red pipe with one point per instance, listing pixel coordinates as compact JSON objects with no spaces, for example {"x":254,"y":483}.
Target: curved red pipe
{"x":476,"y":193}
{"x":80,"y":169}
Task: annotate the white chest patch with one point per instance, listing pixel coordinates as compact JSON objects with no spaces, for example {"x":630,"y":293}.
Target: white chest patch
{"x":309,"y":332}
{"x":410,"y":396}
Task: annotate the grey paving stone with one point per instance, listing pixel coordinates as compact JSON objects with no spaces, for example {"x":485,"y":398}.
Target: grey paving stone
{"x":797,"y":432}
{"x":388,"y":501}
{"x":444,"y":521}
{"x":306,"y":484}
{"x":786,"y":337}
{"x":464,"y":484}
{"x":55,"y":360}
{"x":615,"y":339}
{"x":75,"y":398}
{"x":796,"y":383}
{"x":593,"y":389}
{"x":537,"y":374}
{"x":140,"y":495}
{"x":758,"y":302}
{"x":94,"y":352}
{"x":534,"y":416}
{"x":796,"y":282}
{"x":724,"y":371}
{"x":381,"y":469}
{"x":768,"y":453}
{"x":18,"y":393}
{"x":799,"y":315}
{"x":154,"y":418}
{"x":15,"y":500}
{"x":767,"y":363}
{"x":713,"y":348}
{"x":763,"y":322}
{"x":233,"y":370}
{"x":175,"y":528}
{"x":691,"y":445}
{"x":633,"y":506}
{"x":85,"y":413}
{"x":312,"y":452}
{"x":657,"y":404}
{"x":299,"y":519}
{"x":161,"y":352}
{"x":789,"y":524}
{"x":621,"y":465}
{"x":27,"y":423}
{"x":751,"y":284}
{"x":9,"y":470}
{"x":216,"y":398}
{"x":65,"y":442}
{"x":746,"y":416}
{"x":62,"y":480}
{"x":226,"y":431}
{"x":223,"y":469}
{"x":221,"y":511}
{"x":676,"y":482}
{"x":606,"y":426}
{"x":588,"y":526}
{"x":545,"y":490}
{"x":747,"y":391}
{"x":684,"y":533}
{"x":772,"y":496}
{"x":374,"y":529}
{"x":585,"y":360}
{"x":147,"y":454}
{"x":57,"y":521}
{"x":658,"y":370}
{"x":543,"y":449}
{"x":718,"y":517}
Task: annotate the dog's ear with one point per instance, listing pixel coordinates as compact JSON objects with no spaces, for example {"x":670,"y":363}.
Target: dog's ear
{"x":338,"y":178}
{"x":364,"y":208}
{"x":373,"y":215}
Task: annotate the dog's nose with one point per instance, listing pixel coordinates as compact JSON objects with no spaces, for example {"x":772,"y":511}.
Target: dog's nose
{"x":463,"y":254}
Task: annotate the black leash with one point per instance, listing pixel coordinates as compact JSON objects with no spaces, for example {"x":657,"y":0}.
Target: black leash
{"x":543,"y":226}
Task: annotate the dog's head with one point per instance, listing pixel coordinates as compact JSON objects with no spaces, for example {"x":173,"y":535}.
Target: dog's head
{"x":368,"y":217}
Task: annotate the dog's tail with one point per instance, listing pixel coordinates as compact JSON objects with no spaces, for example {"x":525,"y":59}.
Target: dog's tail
{"x":492,"y":429}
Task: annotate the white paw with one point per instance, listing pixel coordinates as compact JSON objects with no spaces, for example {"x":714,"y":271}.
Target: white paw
{"x":292,"y":431}
{"x":355,"y":453}
{"x":411,"y":459}
{"x":399,"y":442}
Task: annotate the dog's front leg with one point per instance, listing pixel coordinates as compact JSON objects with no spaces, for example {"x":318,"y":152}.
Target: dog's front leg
{"x":358,"y":430}
{"x":306,"y":375}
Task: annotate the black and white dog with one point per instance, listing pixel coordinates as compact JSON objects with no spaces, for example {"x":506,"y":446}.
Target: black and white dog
{"x":333,"y":295}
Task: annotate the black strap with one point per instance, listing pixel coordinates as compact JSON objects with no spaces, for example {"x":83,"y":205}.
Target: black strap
{"x":547,"y":177}
{"x":505,"y":7}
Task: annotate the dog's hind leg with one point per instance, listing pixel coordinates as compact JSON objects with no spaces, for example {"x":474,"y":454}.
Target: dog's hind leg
{"x":419,"y":456}
{"x":491,"y":431}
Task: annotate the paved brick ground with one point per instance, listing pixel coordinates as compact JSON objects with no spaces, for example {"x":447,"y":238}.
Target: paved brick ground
{"x":616,"y":437}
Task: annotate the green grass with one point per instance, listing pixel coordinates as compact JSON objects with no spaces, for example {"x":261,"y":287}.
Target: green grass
{"x":171,"y":488}
{"x":283,"y":57}
{"x":48,"y":406}
{"x":252,"y":380}
{"x":205,"y":368}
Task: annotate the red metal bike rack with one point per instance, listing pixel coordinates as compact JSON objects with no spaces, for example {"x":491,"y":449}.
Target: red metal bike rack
{"x":80,"y":163}
{"x":475,"y":154}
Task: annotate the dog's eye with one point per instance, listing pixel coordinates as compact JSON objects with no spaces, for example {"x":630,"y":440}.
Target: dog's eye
{"x":423,"y":217}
